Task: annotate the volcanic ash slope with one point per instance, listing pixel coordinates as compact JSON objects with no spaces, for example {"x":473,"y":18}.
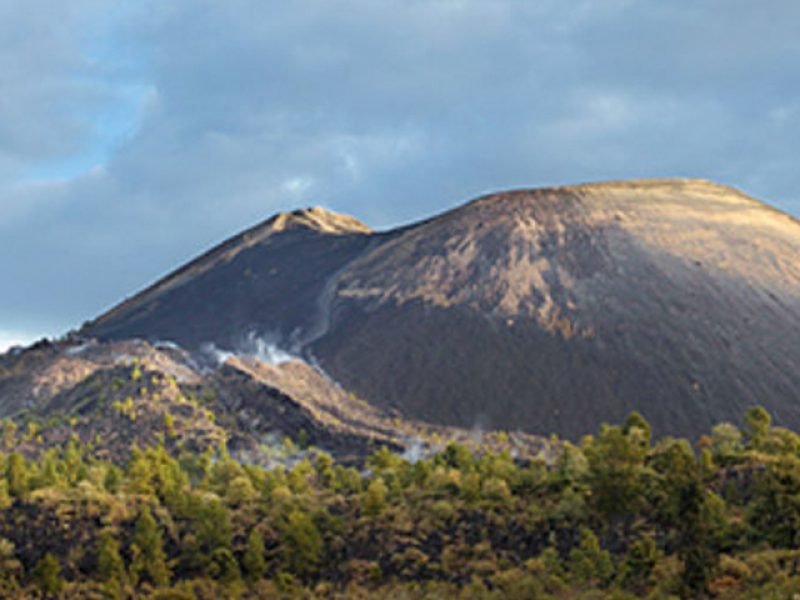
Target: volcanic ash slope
{"x":548,"y":310}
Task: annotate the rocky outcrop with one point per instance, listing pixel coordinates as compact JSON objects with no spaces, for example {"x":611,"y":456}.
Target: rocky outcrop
{"x":114,"y":396}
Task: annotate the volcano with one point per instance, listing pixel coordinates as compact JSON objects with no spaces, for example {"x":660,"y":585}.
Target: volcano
{"x":544,"y":310}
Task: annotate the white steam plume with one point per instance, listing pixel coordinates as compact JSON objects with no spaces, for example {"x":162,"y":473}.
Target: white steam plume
{"x":416,"y":451}
{"x":263,"y":347}
{"x":218,"y":355}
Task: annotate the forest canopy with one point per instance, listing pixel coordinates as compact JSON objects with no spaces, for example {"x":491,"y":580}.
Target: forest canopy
{"x":618,"y":515}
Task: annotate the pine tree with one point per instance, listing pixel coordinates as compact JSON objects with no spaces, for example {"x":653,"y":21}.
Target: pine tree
{"x":73,"y":464}
{"x":758,"y":422}
{"x":684,"y":507}
{"x":588,"y":563}
{"x":9,"y":433}
{"x":5,"y":497}
{"x":17,"y":474}
{"x":240,"y":491}
{"x":224,"y":567}
{"x":213,"y":526}
{"x":615,"y":465}
{"x":302,"y":543}
{"x":642,"y":557}
{"x":324,"y":467}
{"x":253,"y":561}
{"x":149,"y":557}
{"x":11,"y":568}
{"x":46,"y":575}
{"x":375,"y":497}
{"x":110,"y":566}
{"x":636,"y":421}
{"x":139,"y":475}
{"x":112,"y":479}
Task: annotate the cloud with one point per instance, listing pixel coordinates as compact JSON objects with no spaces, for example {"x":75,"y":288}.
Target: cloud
{"x":135,"y":135}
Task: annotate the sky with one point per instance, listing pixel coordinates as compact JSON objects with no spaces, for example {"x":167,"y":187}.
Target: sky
{"x":136,"y":135}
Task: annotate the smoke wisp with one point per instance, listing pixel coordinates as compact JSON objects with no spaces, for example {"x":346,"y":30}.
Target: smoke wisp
{"x":265,"y":348}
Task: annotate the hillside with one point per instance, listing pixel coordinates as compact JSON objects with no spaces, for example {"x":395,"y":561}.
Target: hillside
{"x":619,"y":516}
{"x":112,"y":396}
{"x":548,"y":310}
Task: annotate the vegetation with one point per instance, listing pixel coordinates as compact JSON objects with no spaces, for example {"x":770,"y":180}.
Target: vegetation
{"x":615,"y":516}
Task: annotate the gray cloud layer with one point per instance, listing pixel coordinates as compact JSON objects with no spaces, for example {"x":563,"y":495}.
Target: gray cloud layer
{"x":133,"y":138}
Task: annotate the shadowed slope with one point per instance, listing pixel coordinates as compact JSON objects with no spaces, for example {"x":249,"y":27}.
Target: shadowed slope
{"x":267,"y":279}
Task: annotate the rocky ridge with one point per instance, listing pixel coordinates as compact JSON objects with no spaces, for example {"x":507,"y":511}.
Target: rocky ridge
{"x":114,"y":396}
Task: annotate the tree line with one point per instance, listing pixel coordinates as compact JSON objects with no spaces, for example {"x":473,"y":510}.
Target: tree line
{"x":617,"y":515}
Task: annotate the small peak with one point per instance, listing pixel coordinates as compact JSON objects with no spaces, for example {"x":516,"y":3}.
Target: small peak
{"x":318,"y":219}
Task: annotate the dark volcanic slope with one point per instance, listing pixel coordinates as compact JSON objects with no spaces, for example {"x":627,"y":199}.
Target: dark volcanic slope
{"x":270,"y":278}
{"x":546,"y":310}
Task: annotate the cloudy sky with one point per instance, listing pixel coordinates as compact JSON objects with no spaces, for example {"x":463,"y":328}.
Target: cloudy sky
{"x":135,"y":135}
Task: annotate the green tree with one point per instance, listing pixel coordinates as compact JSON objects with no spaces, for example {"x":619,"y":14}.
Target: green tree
{"x":223,"y":566}
{"x":684,"y":509}
{"x":375,"y":497}
{"x":9,"y":433}
{"x":773,"y":514}
{"x":758,"y":422}
{"x":149,"y":559}
{"x":615,"y":466}
{"x":17,"y":474}
{"x":213,"y":526}
{"x":240,"y":491}
{"x":571,"y":467}
{"x":642,"y":557}
{"x":588,"y":562}
{"x":347,"y":481}
{"x":459,"y":457}
{"x":5,"y":497}
{"x":74,"y":467}
{"x":253,"y":560}
{"x":302,"y":439}
{"x":140,"y":474}
{"x":222,"y":473}
{"x":302,"y":543}
{"x":47,"y":474}
{"x":551,"y":560}
{"x":209,"y":529}
{"x":471,"y":488}
{"x":496,"y":489}
{"x":11,"y":569}
{"x":112,"y":479}
{"x":636,"y":421}
{"x":110,"y":566}
{"x":46,"y":574}
{"x":726,"y":443}
{"x":324,"y":467}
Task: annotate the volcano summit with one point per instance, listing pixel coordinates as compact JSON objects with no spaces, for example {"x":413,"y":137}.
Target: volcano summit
{"x":546,"y":310}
